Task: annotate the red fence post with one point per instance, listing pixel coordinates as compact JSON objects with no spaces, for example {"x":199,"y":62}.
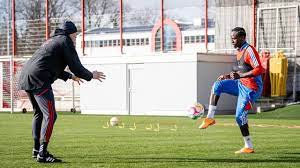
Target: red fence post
{"x":206,"y":24}
{"x":254,"y":23}
{"x":83,"y":25}
{"x":47,"y":19}
{"x":13,"y":6}
{"x":121,"y":26}
{"x":162,"y":25}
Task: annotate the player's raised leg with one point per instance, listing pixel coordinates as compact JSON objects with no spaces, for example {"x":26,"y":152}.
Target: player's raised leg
{"x":221,"y":86}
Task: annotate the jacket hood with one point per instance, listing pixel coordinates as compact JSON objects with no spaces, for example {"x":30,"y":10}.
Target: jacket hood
{"x":59,"y":32}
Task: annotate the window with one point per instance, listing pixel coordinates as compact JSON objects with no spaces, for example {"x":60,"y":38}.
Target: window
{"x":169,"y":38}
{"x":104,"y":43}
{"x":97,"y":43}
{"x":147,"y":41}
{"x":142,"y":42}
{"x":210,"y":38}
{"x":202,"y":39}
{"x":186,"y":39}
{"x":137,"y":41}
{"x":101,"y":43}
{"x":127,"y":42}
{"x":132,"y":42}
{"x":193,"y":39}
{"x":197,"y":39}
{"x":157,"y":41}
{"x":114,"y":42}
{"x":172,"y":37}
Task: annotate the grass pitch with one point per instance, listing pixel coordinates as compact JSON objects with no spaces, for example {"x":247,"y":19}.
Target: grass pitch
{"x":84,"y":141}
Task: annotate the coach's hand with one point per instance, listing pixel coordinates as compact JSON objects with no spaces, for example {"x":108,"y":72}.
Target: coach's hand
{"x":76,"y":79}
{"x":98,"y":75}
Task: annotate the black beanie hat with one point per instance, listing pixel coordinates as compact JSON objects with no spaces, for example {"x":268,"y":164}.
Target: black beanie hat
{"x":69,"y":27}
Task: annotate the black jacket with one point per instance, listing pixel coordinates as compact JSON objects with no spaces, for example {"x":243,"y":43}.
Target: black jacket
{"x":49,"y":62}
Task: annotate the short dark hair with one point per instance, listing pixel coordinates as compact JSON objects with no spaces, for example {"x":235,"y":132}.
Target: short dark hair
{"x":239,"y":31}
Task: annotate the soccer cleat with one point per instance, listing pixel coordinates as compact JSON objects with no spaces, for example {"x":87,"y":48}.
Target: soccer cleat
{"x":207,"y":122}
{"x":244,"y":150}
{"x":34,"y":153}
{"x":47,"y":158}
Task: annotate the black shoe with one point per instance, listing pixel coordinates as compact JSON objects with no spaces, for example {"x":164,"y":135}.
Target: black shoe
{"x":36,"y":152}
{"x":47,"y":158}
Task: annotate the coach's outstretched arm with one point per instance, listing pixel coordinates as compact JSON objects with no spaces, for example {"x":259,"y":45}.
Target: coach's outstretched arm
{"x":75,"y":65}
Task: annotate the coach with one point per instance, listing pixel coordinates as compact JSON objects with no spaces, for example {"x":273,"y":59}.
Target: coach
{"x":41,"y":70}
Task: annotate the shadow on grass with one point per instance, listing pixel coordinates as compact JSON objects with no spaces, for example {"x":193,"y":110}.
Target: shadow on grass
{"x":43,"y":163}
{"x":217,"y":160}
{"x":294,"y":153}
{"x":191,"y":160}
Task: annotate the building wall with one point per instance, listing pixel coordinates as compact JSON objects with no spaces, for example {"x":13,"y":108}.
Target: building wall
{"x":171,"y":87}
{"x":107,"y":97}
{"x":197,"y":47}
{"x":162,"y":84}
{"x":206,"y":80}
{"x":140,"y":50}
{"x":278,"y":3}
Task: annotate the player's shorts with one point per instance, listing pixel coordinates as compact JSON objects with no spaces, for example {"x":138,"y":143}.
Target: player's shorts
{"x":245,"y":95}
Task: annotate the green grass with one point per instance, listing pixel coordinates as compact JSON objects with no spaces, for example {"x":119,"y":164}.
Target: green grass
{"x":81,"y":141}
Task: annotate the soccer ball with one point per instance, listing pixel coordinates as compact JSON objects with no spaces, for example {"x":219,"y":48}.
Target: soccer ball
{"x":114,"y":121}
{"x":196,"y":111}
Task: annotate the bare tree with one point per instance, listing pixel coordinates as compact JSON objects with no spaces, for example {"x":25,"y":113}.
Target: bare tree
{"x":3,"y":10}
{"x":35,"y":9}
{"x":100,"y":12}
{"x":30,"y":10}
{"x":4,"y":26}
{"x":30,"y":22}
{"x":143,"y":17}
{"x":57,"y":8}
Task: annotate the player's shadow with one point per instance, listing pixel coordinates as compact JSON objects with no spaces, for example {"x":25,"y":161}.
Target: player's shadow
{"x":220,"y":160}
{"x":288,"y":159}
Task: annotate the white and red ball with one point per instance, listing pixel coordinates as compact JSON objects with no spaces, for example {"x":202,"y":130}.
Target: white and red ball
{"x":196,"y":111}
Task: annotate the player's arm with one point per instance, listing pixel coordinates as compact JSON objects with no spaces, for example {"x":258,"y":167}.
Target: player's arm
{"x":242,"y":75}
{"x":224,"y":76}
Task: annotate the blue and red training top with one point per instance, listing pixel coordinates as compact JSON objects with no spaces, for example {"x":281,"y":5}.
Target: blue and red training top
{"x":251,"y":57}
